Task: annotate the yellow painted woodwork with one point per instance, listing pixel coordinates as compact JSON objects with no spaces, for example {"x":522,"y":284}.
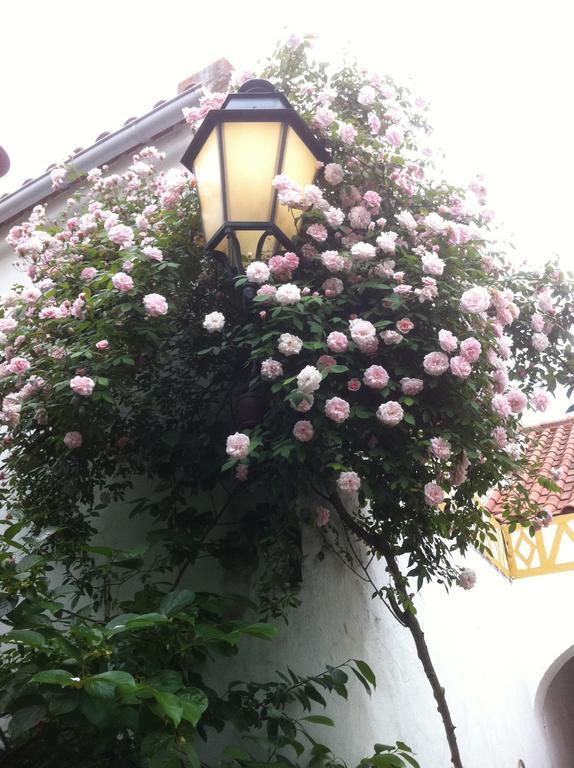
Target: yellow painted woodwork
{"x":518,"y":554}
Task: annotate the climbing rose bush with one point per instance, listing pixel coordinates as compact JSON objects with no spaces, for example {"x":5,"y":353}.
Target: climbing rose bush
{"x":396,"y":324}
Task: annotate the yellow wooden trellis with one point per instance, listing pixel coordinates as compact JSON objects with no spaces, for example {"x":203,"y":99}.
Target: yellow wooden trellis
{"x":519,"y":554}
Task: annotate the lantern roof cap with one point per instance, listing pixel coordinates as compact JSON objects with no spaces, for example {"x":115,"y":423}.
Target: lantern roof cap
{"x":257,"y":101}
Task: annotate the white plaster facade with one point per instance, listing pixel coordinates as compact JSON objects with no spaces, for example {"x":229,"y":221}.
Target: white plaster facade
{"x":497,"y":649}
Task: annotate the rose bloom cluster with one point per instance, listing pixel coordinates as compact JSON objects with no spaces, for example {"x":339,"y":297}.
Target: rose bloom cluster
{"x":99,"y":261}
{"x":397,"y":314}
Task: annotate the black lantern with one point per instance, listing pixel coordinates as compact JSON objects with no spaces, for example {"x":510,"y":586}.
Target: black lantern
{"x":235,"y":155}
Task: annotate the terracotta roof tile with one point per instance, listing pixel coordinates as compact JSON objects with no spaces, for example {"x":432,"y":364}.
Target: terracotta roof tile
{"x":552,"y":447}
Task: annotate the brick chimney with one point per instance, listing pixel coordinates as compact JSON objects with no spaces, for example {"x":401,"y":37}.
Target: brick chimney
{"x":215,"y":76}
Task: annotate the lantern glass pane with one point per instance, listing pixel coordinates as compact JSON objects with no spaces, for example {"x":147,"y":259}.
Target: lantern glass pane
{"x":207,"y":171}
{"x":248,"y":240}
{"x":251,"y":151}
{"x":300,"y":165}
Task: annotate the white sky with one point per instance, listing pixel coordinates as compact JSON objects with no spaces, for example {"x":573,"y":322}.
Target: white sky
{"x":498,"y":75}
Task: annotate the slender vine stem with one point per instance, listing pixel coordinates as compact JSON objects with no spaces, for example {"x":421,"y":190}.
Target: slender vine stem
{"x":402,"y":608}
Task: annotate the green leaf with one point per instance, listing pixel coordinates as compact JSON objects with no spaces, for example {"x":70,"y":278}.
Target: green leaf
{"x":194,"y":703}
{"x":366,"y":671}
{"x":409,"y":418}
{"x":27,"y":718}
{"x":176,"y":601}
{"x":62,"y":703}
{"x":7,"y":603}
{"x":55,"y":677}
{"x":28,"y":562}
{"x":26,"y":637}
{"x":170,"y":705}
{"x":265,"y":631}
{"x":96,"y":710}
{"x":320,"y":719}
{"x":129,"y":622}
{"x":410,"y":760}
{"x":386,"y":761}
{"x":104,"y":685}
{"x":166,"y":680}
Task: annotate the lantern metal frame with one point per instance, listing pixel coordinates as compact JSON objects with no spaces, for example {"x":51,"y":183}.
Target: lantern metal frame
{"x":257,"y":101}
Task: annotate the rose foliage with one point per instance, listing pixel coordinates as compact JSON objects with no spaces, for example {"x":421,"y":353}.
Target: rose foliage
{"x":391,"y":353}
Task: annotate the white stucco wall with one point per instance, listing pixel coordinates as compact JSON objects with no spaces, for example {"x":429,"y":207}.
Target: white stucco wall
{"x":559,"y":716}
{"x":492,"y":646}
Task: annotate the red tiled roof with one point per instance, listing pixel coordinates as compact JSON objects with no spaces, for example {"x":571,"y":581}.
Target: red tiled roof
{"x":551,"y":446}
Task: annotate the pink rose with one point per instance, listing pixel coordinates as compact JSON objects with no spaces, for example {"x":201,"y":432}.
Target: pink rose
{"x":537,"y":322}
{"x":349,"y":481}
{"x":501,"y":406}
{"x":82,"y":385}
{"x":390,"y":413}
{"x":337,"y":342}
{"x":432,"y":264}
{"x":376,"y":377}
{"x":540,"y":400}
{"x":121,"y":235}
{"x":500,"y":437}
{"x":303,"y":431}
{"x":322,"y":515}
{"x":540,"y":341}
{"x":337,"y":409}
{"x":363,"y":251}
{"x":391,"y":337}
{"x":122,"y":282}
{"x":434,"y":494}
{"x":387,"y":242}
{"x":405,"y":325}
{"x":333,"y":286}
{"x":458,"y":475}
{"x":333,"y":174}
{"x":73,"y":440}
{"x":317,"y":232}
{"x":500,"y":380}
{"x":103,"y":344}
{"x":332,"y":261}
{"x":267,"y":290}
{"x":470,"y":349}
{"x":238,"y":446}
{"x":271,"y":369}
{"x":347,"y":133}
{"x":435,"y":363}
{"x":440,"y":448}
{"x":516,"y":400}
{"x":395,"y":136}
{"x":361,"y":331}
{"x":155,"y":305}
{"x":153,"y":253}
{"x":460,"y":367}
{"x":326,"y":361}
{"x":447,"y":341}
{"x":372,"y":200}
{"x":368,"y":346}
{"x":304,"y":404}
{"x":467,"y":578}
{"x":403,"y":290}
{"x":359,"y":217}
{"x":18,"y":365}
{"x":353,"y":385}
{"x":291,"y":259}
{"x":411,"y":386}
{"x":476,"y":300}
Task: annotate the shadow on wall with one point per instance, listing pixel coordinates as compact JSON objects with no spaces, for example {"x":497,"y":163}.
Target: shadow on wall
{"x":555,"y":704}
